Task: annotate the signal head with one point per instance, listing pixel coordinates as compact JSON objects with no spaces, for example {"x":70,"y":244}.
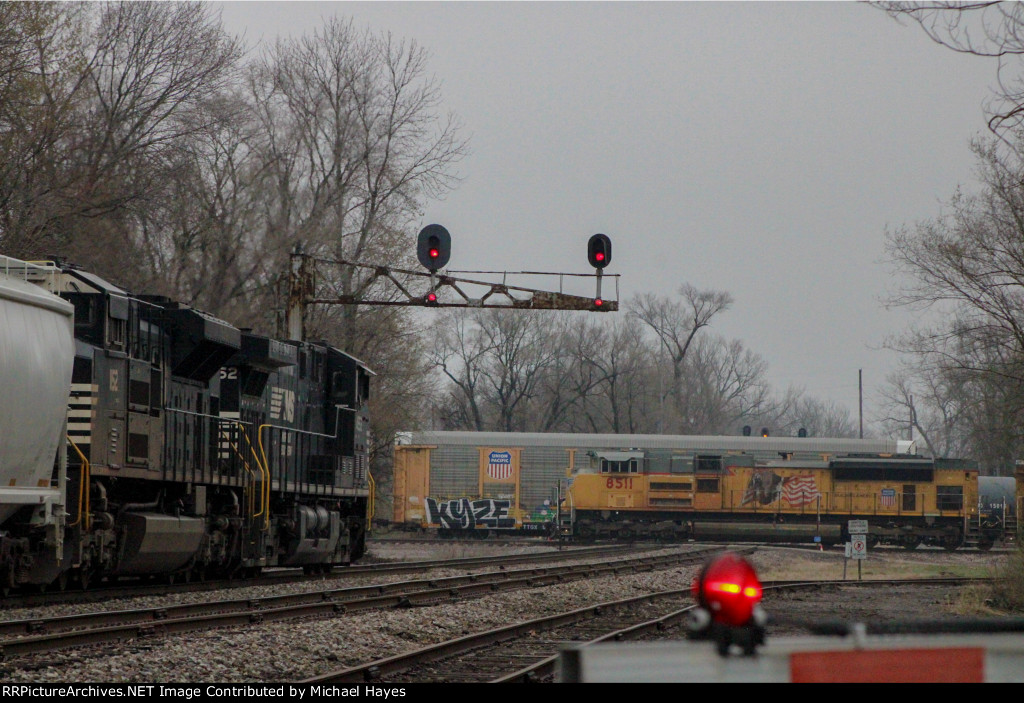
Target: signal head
{"x":599,"y":251}
{"x":434,"y":247}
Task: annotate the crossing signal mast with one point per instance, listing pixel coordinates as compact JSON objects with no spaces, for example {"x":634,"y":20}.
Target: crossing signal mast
{"x":433,"y":250}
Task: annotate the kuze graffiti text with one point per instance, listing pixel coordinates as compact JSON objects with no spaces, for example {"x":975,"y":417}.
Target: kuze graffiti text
{"x":465,"y":514}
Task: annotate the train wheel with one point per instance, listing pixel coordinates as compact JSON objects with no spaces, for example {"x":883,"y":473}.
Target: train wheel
{"x":626,"y":534}
{"x":910,"y":542}
{"x":585,"y":533}
{"x":984,"y":544}
{"x":951,"y":542}
{"x":7,"y":582}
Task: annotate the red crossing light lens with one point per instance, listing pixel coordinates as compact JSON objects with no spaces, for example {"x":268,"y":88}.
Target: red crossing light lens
{"x":599,"y":256}
{"x":729,"y":588}
{"x":431,"y":297}
{"x":598,"y":302}
{"x":434,"y":253}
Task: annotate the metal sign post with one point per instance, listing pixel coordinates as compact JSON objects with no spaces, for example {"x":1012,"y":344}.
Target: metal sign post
{"x":858,"y":542}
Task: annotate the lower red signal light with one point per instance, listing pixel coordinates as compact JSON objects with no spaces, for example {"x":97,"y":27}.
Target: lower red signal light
{"x":598,"y":302}
{"x":431,"y":297}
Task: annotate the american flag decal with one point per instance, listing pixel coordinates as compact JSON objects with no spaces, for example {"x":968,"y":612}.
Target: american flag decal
{"x":499,"y":465}
{"x":800,"y":490}
{"x":888,"y":497}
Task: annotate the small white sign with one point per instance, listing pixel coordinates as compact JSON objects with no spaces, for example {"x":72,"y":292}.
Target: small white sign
{"x":848,"y":549}
{"x":859,"y":546}
{"x":857,"y":527}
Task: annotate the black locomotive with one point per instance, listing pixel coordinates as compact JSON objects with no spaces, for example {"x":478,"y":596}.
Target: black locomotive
{"x":196,"y":448}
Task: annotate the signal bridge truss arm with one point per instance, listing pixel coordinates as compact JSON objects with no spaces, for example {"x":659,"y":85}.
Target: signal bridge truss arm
{"x":447,"y":291}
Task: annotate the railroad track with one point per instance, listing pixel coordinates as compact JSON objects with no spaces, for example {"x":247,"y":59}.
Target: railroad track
{"x":283,"y":576}
{"x":528,"y":651}
{"x":40,"y":635}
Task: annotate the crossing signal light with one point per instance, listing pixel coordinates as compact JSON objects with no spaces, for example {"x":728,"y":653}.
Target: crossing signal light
{"x":764,"y":431}
{"x":729,"y":589}
{"x":599,"y":251}
{"x":434,"y":247}
{"x":728,"y":595}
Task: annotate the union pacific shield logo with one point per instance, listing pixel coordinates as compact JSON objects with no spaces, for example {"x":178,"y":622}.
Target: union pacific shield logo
{"x":499,"y":465}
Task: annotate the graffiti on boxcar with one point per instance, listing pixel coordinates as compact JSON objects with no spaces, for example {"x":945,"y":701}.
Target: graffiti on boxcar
{"x":465,"y":514}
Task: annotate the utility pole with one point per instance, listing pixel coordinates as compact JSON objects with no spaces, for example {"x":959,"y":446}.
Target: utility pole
{"x":860,"y":399}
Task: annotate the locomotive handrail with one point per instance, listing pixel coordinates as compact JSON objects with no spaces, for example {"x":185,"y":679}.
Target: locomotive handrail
{"x":82,"y":487}
{"x":245,"y":465}
{"x":259,"y":438}
{"x":264,"y":500}
{"x":372,"y":497}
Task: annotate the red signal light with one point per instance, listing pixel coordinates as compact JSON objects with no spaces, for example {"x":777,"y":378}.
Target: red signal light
{"x":598,"y":302}
{"x":729,"y":589}
{"x":431,"y":297}
{"x":434,"y":253}
{"x":599,"y":256}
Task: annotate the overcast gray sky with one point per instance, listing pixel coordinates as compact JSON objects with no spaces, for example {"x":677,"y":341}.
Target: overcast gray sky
{"x":760,"y":148}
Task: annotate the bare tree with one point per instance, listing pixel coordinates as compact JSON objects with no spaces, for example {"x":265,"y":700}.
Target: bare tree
{"x":993,"y":30}
{"x":725,"y":383}
{"x":675,"y":324}
{"x":967,"y":360}
{"x":459,"y":352}
{"x":43,"y":65}
{"x":354,"y":140}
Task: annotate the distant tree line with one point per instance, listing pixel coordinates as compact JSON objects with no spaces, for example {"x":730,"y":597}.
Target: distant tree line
{"x":655,"y":368}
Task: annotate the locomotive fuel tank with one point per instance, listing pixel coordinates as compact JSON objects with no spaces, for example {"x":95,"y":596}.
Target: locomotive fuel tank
{"x":36,"y":353}
{"x":158,"y":544}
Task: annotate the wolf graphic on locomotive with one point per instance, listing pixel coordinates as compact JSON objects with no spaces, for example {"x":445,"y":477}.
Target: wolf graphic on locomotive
{"x":184,"y":446}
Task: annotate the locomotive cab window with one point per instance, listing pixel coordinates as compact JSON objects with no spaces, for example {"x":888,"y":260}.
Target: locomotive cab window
{"x":708,"y":465}
{"x":612,"y":466}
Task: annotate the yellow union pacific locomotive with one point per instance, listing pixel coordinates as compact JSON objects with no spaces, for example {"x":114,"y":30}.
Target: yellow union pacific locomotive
{"x":905,"y":499}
